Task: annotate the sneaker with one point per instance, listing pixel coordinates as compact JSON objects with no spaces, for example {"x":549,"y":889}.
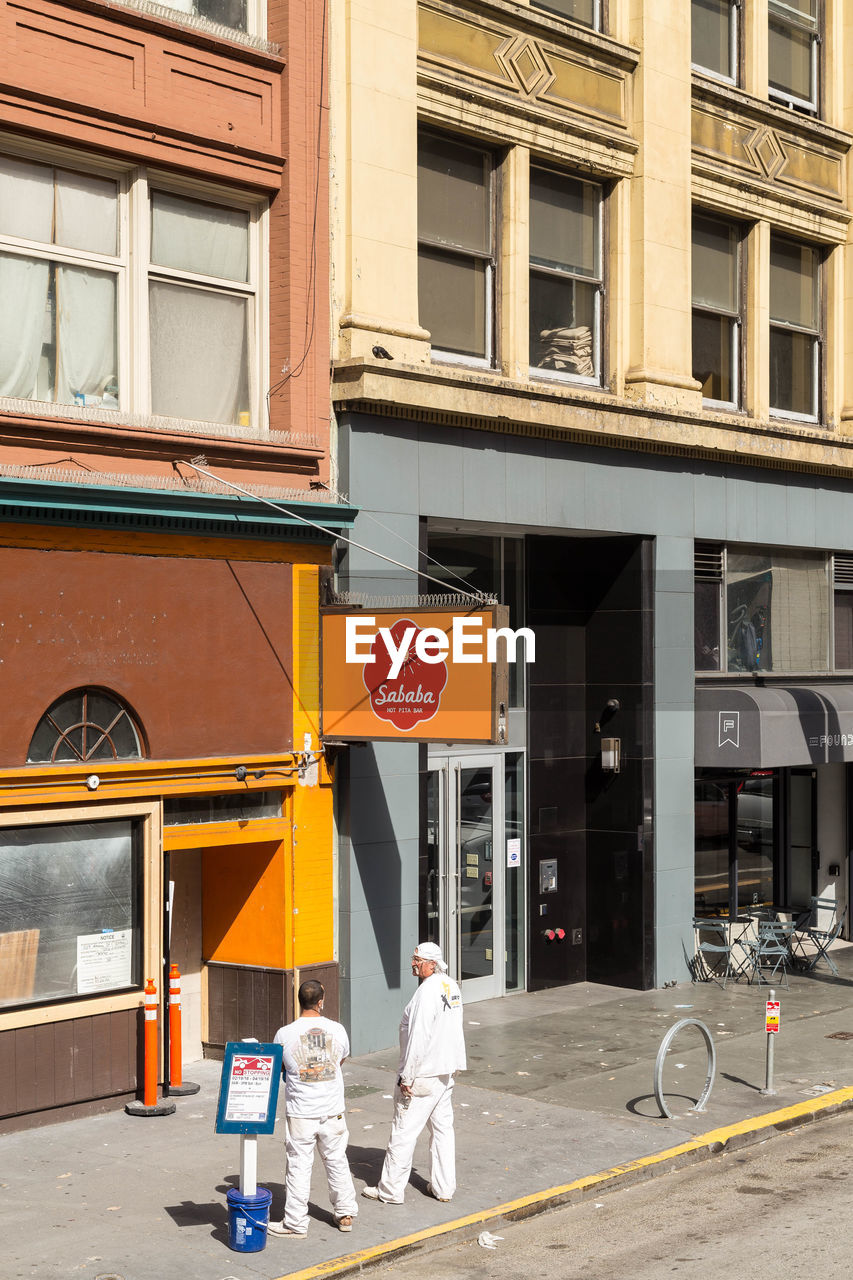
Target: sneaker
{"x":344,"y":1223}
{"x":442,"y":1199}
{"x":279,"y":1229}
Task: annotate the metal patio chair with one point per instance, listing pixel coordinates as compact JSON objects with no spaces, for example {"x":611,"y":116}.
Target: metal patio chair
{"x":770,"y":949}
{"x":812,"y":943}
{"x":713,"y":946}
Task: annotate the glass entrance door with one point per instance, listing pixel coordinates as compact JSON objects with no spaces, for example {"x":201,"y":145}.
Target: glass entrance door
{"x":462,"y":870}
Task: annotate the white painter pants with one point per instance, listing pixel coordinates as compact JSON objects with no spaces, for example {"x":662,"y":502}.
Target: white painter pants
{"x":431,"y":1104}
{"x":330,"y":1136}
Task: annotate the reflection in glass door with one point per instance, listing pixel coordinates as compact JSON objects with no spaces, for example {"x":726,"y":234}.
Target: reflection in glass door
{"x":479,"y":932}
{"x":471,"y":901}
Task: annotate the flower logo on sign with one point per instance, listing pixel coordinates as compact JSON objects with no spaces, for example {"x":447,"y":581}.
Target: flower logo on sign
{"x":412,"y":697}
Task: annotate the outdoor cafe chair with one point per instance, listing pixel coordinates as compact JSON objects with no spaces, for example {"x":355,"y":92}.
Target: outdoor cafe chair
{"x":771,"y":950}
{"x":714,"y":946}
{"x":811,"y":943}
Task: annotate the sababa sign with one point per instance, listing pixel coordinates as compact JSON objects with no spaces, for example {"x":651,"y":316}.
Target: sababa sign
{"x":420,"y":675}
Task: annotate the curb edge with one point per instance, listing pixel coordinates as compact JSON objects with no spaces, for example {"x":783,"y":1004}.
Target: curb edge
{"x":705,"y":1146}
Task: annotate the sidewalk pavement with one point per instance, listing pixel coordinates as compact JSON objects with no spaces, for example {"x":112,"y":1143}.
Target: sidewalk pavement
{"x":557,"y":1102}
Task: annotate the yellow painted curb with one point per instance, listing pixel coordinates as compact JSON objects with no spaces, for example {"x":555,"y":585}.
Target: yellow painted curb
{"x":714,"y":1138}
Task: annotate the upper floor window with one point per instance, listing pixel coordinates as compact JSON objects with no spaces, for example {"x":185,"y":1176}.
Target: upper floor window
{"x":795,"y":338}
{"x":716,"y":310}
{"x":793,"y":52}
{"x":714,"y":37}
{"x":587,"y":12}
{"x":566,"y":282}
{"x":179,"y":338}
{"x":761,"y":609}
{"x":456,"y":248}
{"x":86,"y":724}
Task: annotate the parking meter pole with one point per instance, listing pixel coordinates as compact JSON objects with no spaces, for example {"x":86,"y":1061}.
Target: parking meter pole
{"x":768,"y":1089}
{"x":248,"y":1164}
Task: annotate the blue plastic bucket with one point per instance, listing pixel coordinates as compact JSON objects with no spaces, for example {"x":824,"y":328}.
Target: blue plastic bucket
{"x":248,"y":1217}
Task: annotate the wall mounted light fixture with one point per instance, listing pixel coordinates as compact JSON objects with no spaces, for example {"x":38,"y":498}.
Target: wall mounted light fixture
{"x":611,"y":754}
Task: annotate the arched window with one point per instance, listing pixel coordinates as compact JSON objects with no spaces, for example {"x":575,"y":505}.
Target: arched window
{"x":86,"y":724}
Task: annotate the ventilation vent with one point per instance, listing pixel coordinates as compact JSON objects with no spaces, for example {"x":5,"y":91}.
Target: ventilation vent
{"x":843,"y":571}
{"x":708,"y":562}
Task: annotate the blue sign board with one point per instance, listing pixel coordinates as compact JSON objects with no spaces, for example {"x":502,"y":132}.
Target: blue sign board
{"x":248,"y":1089}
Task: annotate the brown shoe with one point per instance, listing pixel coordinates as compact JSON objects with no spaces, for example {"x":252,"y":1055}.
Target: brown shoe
{"x":344,"y":1223}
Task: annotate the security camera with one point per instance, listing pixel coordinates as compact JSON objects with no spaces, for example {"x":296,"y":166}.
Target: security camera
{"x":93,"y":782}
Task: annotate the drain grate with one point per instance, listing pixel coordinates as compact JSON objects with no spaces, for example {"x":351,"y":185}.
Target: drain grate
{"x":840,"y":1035}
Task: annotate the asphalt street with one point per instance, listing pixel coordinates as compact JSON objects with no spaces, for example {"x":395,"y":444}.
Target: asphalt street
{"x":775,"y":1209}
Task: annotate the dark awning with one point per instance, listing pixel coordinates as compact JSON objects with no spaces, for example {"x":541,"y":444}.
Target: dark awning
{"x":773,"y":726}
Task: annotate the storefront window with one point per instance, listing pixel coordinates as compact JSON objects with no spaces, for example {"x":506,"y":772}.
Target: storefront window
{"x":70,"y":910}
{"x":712,"y":849}
{"x":188,"y":810}
{"x":777,"y":609}
{"x":755,"y":842}
{"x":734,"y":825}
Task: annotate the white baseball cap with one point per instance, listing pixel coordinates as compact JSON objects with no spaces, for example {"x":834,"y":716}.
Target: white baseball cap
{"x":429,"y":951}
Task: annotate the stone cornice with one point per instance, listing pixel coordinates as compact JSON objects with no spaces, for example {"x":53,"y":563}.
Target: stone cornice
{"x":455,"y":398}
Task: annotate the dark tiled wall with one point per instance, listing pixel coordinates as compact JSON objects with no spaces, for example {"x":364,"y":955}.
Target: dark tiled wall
{"x":586,"y":603}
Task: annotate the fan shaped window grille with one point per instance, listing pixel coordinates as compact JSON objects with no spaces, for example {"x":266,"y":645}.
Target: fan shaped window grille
{"x":85,"y":725}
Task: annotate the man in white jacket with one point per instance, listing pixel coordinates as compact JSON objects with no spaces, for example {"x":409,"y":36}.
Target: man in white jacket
{"x":432,"y":1049}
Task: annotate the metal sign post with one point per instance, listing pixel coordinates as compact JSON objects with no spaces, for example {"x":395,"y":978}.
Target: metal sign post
{"x":248,"y":1094}
{"x":771,"y":1026}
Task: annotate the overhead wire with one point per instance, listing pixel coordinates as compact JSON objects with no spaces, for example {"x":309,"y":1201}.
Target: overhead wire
{"x":197,"y":465}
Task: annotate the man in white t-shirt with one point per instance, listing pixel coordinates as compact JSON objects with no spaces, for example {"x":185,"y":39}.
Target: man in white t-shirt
{"x":432,"y":1049}
{"x":314,"y":1048}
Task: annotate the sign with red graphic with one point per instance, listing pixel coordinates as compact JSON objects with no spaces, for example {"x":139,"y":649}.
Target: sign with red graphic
{"x":248,"y":1088}
{"x":418,"y":675}
{"x":773,"y":1015}
{"x":412,"y":697}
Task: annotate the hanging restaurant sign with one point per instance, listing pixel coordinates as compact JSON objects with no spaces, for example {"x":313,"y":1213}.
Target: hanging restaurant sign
{"x":419,"y":675}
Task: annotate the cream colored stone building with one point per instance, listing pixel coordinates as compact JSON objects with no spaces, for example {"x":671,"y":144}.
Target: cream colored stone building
{"x":592,"y":320}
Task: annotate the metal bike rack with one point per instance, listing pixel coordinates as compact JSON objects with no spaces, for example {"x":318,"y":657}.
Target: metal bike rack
{"x":665,"y":1045}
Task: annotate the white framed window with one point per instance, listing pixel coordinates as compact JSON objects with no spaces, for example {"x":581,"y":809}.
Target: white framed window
{"x":586,"y":12}
{"x":793,"y":39}
{"x":456,"y":249}
{"x":714,"y":37}
{"x":242,"y":17}
{"x":717,"y":325}
{"x":795,"y":331}
{"x":566,"y":283}
{"x":135,"y":292}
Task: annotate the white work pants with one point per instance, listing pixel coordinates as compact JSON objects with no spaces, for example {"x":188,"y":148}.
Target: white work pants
{"x":330,"y":1136}
{"x":431,"y":1104}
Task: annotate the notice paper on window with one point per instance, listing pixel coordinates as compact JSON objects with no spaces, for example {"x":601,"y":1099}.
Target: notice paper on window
{"x":103,"y":960}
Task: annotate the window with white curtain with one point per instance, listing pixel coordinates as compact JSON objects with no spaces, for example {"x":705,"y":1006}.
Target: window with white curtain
{"x":78,"y":328}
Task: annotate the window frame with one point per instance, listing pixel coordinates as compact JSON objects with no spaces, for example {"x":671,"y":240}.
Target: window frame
{"x":439,"y":247}
{"x":597,"y":23}
{"x":779,"y":10}
{"x":734,"y":78}
{"x":147,"y":814}
{"x":597,"y":282}
{"x":133,"y":269}
{"x":737,"y":317}
{"x":818,"y":335}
